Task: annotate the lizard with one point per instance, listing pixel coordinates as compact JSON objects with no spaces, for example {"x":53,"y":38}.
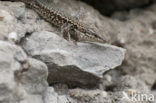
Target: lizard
{"x":71,"y":29}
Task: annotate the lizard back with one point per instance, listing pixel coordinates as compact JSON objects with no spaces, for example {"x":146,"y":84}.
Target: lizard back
{"x":55,"y":17}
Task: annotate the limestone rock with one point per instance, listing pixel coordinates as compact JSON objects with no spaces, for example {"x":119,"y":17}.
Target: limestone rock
{"x":16,"y":19}
{"x":56,"y":52}
{"x":21,"y":78}
{"x":89,"y":96}
{"x":52,"y":97}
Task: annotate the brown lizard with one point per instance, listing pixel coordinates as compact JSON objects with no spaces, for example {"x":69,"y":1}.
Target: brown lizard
{"x":70,"y":28}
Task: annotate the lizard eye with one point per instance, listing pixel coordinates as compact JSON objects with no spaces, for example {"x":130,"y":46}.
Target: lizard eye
{"x":95,"y":35}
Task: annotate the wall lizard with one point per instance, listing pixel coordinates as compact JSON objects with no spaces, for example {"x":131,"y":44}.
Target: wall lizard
{"x":71,"y":29}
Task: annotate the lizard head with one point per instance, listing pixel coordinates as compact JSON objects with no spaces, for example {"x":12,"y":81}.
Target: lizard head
{"x":88,"y":35}
{"x":93,"y":37}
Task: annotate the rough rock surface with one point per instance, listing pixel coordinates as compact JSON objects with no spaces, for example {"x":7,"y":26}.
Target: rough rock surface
{"x":23,"y":78}
{"x":19,"y":80}
{"x":18,"y":20}
{"x":52,"y":97}
{"x":89,"y":57}
{"x":27,"y":75}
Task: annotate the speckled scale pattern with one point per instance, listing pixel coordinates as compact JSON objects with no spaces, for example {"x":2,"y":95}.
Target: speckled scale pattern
{"x":77,"y":33}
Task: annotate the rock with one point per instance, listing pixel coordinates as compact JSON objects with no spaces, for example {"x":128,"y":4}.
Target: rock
{"x":26,"y":78}
{"x":122,"y":83}
{"x":13,"y":37}
{"x":143,"y":37}
{"x":17,"y":9}
{"x":98,"y":96}
{"x":8,"y":64}
{"x":72,"y":76}
{"x":9,"y":23}
{"x":35,"y":78}
{"x":52,"y":97}
{"x":88,"y":96}
{"x":129,"y":82}
{"x":33,"y":98}
{"x":154,"y":93}
{"x":19,"y":80}
{"x":16,"y":19}
{"x":87,"y":57}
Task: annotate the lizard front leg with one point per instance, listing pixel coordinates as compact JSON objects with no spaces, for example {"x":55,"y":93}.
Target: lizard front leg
{"x":68,"y":32}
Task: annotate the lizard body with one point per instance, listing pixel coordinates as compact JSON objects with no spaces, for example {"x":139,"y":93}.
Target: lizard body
{"x":70,"y":28}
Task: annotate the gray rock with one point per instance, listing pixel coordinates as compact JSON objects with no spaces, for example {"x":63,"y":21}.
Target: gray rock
{"x":154,"y":93}
{"x":72,"y":76}
{"x":17,"y":8}
{"x":33,"y":99}
{"x":34,"y":79}
{"x":21,"y":78}
{"x":140,"y":43}
{"x":9,"y":12}
{"x":9,"y":62}
{"x":52,"y":97}
{"x":89,"y":96}
{"x":16,"y":21}
{"x":88,"y":57}
{"x":131,"y":83}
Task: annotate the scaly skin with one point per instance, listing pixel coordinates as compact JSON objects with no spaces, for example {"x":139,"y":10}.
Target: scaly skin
{"x":71,"y":29}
